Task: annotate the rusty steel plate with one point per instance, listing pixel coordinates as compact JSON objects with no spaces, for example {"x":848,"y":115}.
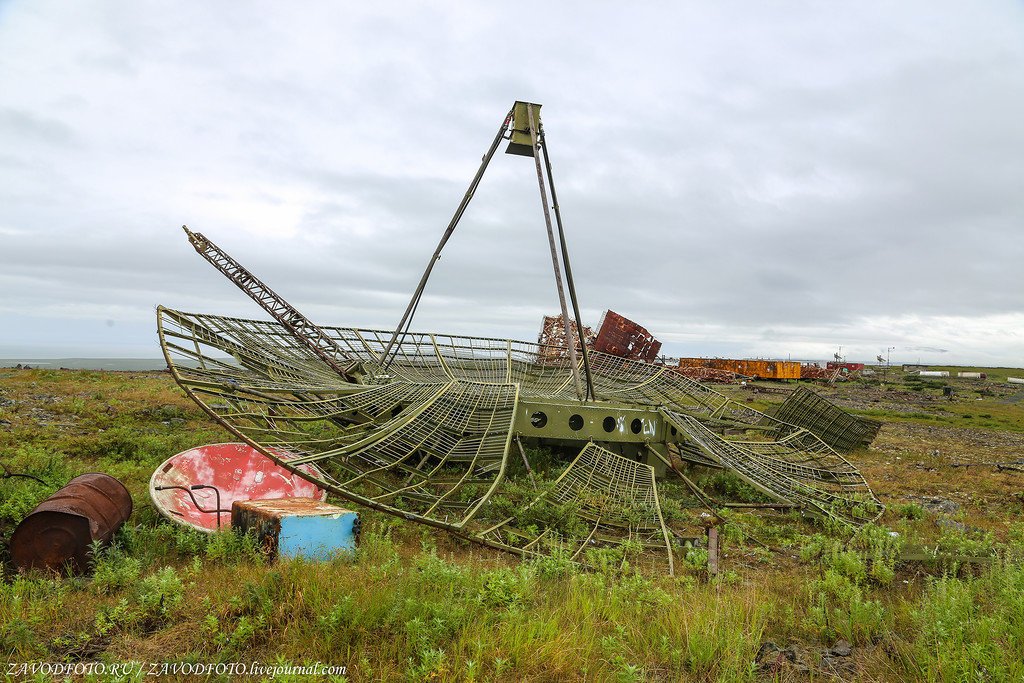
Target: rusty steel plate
{"x":193,"y":485}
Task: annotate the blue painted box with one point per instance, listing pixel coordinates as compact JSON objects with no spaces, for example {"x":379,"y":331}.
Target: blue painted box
{"x":297,"y":527}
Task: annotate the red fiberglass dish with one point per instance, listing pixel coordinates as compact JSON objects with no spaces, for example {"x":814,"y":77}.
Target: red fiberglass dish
{"x":197,"y":487}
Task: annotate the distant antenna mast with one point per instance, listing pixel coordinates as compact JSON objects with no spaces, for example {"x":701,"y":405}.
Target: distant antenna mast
{"x":303,"y":329}
{"x":526,"y":138}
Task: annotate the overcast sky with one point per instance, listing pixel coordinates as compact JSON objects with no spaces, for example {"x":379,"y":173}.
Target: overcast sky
{"x":747,"y":179}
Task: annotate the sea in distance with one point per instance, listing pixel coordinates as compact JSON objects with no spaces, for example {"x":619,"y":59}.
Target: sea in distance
{"x":129,"y":364}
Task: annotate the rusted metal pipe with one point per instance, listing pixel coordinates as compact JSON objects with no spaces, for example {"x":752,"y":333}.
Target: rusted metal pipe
{"x":56,"y":535}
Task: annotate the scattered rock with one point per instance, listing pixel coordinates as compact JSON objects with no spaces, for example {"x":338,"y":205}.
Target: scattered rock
{"x":843,"y":668}
{"x":840,"y":649}
{"x":947,"y":523}
{"x":772,"y":658}
{"x":937,"y":505}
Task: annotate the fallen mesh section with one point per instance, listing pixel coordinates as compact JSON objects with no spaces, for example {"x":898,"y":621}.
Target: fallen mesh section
{"x":615,"y":498}
{"x":798,"y":469}
{"x":829,"y":422}
{"x":432,"y":451}
{"x":428,"y":439}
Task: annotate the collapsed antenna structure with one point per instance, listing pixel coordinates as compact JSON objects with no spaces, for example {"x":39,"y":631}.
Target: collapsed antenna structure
{"x":420,"y":425}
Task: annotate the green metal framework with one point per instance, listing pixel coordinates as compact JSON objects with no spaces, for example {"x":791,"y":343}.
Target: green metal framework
{"x":429,"y":438}
{"x":420,"y":425}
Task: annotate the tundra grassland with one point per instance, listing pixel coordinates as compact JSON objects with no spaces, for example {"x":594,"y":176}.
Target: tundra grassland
{"x":932,"y":592}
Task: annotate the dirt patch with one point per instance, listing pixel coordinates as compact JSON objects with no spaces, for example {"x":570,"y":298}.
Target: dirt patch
{"x":937,"y":446}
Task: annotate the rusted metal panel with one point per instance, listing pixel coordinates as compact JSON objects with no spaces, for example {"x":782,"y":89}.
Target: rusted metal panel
{"x":197,"y":487}
{"x":297,"y":527}
{"x":552,"y":338}
{"x":760,"y":369}
{"x":707,"y":374}
{"x":844,"y":367}
{"x":57,"y":534}
{"x":620,"y":336}
{"x":815,"y":371}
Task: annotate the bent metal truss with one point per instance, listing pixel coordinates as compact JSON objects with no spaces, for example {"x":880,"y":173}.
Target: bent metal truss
{"x":428,"y":426}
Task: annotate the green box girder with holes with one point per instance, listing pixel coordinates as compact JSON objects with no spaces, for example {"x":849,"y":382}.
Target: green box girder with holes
{"x":607,"y":421}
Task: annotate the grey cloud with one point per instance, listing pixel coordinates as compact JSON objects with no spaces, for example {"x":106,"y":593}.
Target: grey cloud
{"x":16,"y":123}
{"x":756,"y":174}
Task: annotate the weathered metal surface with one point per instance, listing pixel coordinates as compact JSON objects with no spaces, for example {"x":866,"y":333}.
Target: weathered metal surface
{"x":521,"y":141}
{"x":758,"y":369}
{"x":702,"y":374}
{"x":608,"y":421}
{"x":192,"y":486}
{"x":57,"y":535}
{"x":297,"y":527}
{"x":815,"y":371}
{"x":620,"y":336}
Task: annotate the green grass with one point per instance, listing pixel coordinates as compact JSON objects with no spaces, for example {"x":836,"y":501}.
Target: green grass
{"x":415,"y":604}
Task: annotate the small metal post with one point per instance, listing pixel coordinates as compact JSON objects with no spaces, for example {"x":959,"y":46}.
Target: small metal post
{"x":526,"y":461}
{"x":712,"y":551}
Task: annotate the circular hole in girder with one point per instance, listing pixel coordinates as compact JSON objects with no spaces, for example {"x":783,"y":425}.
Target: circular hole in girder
{"x":538,"y":420}
{"x":674,"y":432}
{"x":576,"y":423}
{"x":609,"y":424}
{"x":636,"y":425}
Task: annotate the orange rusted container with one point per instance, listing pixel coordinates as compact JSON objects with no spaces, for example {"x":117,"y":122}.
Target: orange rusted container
{"x":759,"y":369}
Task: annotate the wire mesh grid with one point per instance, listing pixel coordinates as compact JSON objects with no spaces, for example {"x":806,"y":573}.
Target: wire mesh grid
{"x":428,"y":437}
{"x":616,"y":497}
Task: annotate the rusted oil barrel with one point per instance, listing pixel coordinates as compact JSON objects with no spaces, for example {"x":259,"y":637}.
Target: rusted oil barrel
{"x":57,"y":534}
